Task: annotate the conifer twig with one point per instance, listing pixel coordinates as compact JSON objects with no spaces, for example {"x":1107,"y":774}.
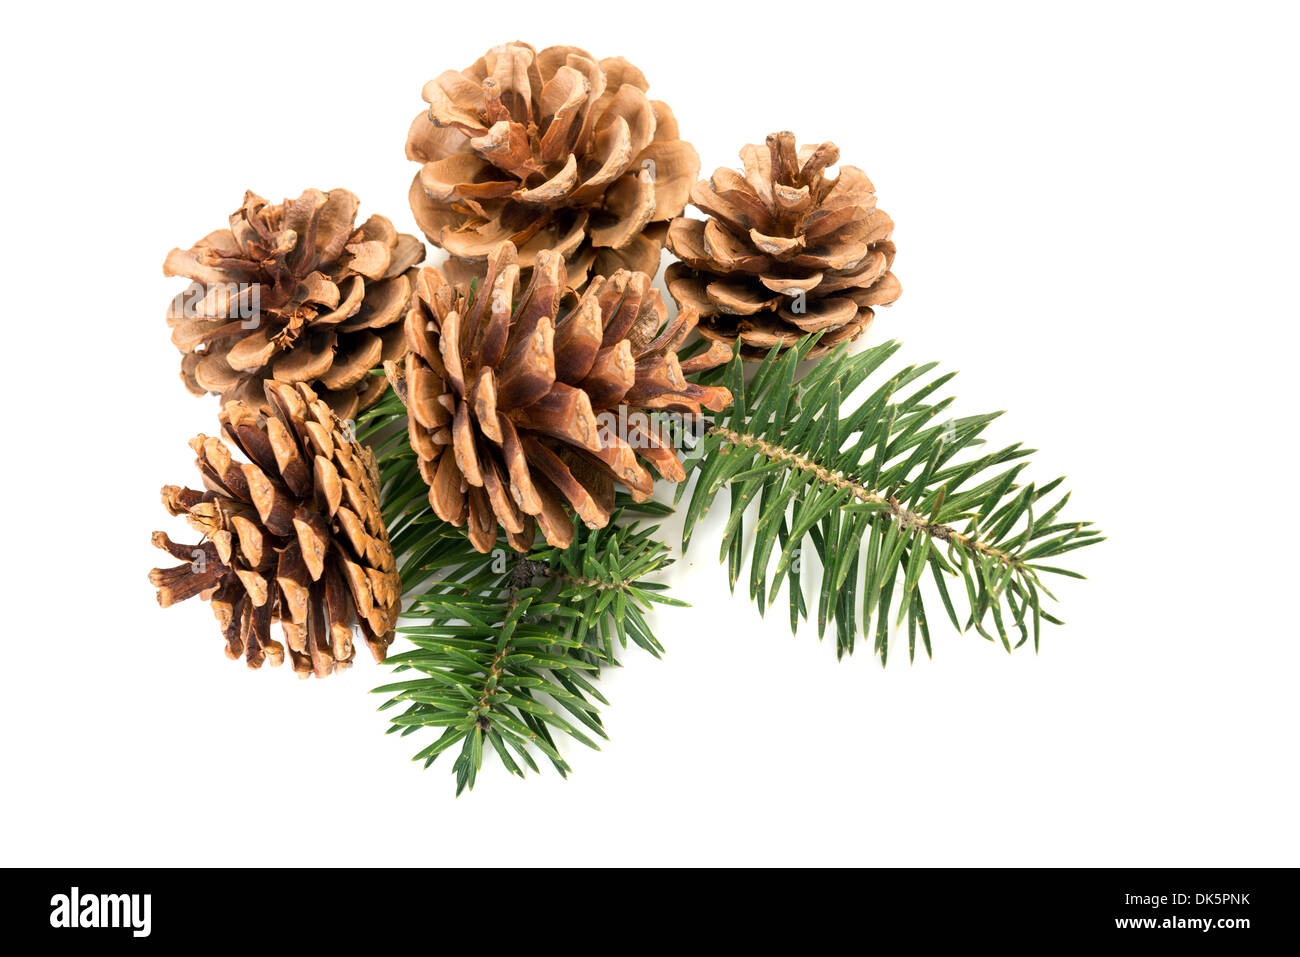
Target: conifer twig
{"x":880,"y":495}
{"x":507,"y":647}
{"x":905,"y":518}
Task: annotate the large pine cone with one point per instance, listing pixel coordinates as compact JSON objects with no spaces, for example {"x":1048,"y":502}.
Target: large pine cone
{"x":504,"y":396}
{"x":293,"y":535}
{"x":549,"y":150}
{"x":787,"y":252}
{"x":297,"y":293}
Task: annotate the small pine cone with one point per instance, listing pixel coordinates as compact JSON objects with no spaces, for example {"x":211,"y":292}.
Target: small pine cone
{"x":294,"y":292}
{"x":294,"y":535}
{"x":787,"y":251}
{"x":549,"y":150}
{"x":518,"y":415}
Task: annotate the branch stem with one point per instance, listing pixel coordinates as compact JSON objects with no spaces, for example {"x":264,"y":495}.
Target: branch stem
{"x":905,"y":518}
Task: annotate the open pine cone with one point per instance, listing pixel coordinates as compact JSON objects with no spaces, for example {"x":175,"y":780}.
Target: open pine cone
{"x":549,"y":150}
{"x":294,"y":292}
{"x":504,"y":396}
{"x":293,"y":535}
{"x":787,"y":251}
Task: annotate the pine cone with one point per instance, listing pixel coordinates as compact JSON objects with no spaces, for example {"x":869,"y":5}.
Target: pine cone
{"x":293,"y":292}
{"x":294,"y":535}
{"x":549,"y":150}
{"x":504,"y":396}
{"x":787,"y":252}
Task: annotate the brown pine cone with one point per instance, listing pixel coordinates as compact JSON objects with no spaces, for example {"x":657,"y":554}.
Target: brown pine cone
{"x":787,"y":251}
{"x":518,"y":414}
{"x":549,"y":150}
{"x":293,"y":292}
{"x":294,"y":535}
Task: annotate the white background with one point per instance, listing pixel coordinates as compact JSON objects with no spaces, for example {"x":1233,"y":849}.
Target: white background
{"x":1097,"y":223}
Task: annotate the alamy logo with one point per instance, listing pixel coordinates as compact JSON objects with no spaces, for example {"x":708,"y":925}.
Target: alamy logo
{"x":102,"y":910}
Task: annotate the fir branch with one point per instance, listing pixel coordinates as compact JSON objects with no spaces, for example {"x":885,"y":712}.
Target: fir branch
{"x":508,"y":647}
{"x":881,"y":497}
{"x":899,"y":515}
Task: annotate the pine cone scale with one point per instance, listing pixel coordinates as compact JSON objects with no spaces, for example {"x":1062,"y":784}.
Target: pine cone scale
{"x":577,"y":342}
